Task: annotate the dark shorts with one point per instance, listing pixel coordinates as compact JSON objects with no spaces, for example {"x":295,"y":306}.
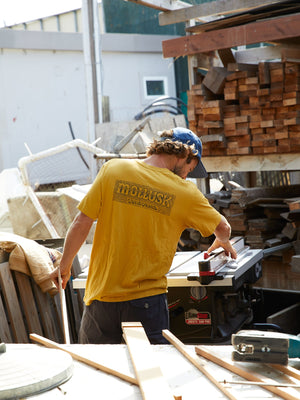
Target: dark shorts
{"x":101,"y":321}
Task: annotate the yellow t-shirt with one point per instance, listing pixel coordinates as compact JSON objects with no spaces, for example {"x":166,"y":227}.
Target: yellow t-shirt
{"x":141,"y":212}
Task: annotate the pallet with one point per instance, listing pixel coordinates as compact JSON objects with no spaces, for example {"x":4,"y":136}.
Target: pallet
{"x":25,"y":309}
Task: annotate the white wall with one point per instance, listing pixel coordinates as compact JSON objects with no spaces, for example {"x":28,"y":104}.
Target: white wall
{"x":40,"y":92}
{"x":123,"y":75}
{"x":42,"y":86}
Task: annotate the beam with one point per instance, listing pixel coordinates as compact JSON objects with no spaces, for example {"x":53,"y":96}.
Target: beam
{"x":162,"y":5}
{"x":248,"y":163}
{"x":256,"y":32}
{"x":259,"y":54}
{"x":214,"y":8}
{"x":64,"y":41}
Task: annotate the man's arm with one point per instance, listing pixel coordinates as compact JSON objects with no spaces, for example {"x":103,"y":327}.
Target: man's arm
{"x":76,"y":235}
{"x":223,"y":233}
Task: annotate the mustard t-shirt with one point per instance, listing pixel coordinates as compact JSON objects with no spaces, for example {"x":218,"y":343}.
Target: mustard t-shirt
{"x":141,"y":212}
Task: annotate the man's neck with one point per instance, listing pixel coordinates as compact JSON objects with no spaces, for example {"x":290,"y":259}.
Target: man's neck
{"x":161,"y":161}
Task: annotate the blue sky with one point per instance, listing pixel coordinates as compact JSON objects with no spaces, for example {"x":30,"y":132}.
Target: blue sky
{"x":16,"y":11}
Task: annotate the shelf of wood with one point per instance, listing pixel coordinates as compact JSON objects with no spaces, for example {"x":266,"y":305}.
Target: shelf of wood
{"x":248,"y":163}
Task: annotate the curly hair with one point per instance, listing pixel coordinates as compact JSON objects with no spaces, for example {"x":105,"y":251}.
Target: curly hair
{"x":168,"y":146}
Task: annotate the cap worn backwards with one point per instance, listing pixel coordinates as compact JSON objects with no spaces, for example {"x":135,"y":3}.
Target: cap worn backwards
{"x":188,"y":137}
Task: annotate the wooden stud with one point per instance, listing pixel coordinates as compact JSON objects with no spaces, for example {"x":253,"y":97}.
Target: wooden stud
{"x":152,"y":384}
{"x":50,"y":344}
{"x":231,"y":366}
{"x":260,"y":383}
{"x":181,"y":347}
{"x":287,"y":370}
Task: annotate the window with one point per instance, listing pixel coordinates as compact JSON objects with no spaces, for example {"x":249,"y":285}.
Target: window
{"x":155,"y":87}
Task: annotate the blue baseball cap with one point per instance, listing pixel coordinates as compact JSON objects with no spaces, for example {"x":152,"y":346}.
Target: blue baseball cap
{"x":188,"y":137}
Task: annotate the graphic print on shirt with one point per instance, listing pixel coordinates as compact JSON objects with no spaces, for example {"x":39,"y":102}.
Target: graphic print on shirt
{"x":143,"y":196}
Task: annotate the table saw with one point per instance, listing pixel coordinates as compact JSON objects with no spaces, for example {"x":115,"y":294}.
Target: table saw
{"x":209,"y":296}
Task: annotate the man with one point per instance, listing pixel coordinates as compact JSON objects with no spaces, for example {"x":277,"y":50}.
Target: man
{"x":141,"y":208}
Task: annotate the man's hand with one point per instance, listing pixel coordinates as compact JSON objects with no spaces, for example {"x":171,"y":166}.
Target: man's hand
{"x":65,"y":276}
{"x":227,"y":246}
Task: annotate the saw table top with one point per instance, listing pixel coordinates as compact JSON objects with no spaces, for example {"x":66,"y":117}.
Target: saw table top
{"x":185,"y":263}
{"x":183,"y":378}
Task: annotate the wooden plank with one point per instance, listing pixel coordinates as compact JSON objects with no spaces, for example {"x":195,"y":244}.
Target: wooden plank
{"x":226,"y":56}
{"x":196,"y":362}
{"x":231,"y":366}
{"x":246,"y":17}
{"x":245,"y":196}
{"x":215,"y":79}
{"x":218,"y":7}
{"x":213,"y":138}
{"x":64,"y":315}
{"x":270,"y":162}
{"x":12,"y":305}
{"x":287,"y":319}
{"x":51,"y":323}
{"x":4,"y":256}
{"x":149,"y":375}
{"x":28,"y":303}
{"x":5,"y":335}
{"x":290,"y":55}
{"x":255,"y":55}
{"x":256,"y":32}
{"x":52,"y":345}
{"x":288,"y":370}
{"x":162,"y":5}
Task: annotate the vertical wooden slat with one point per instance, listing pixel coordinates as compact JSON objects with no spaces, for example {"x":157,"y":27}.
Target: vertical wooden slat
{"x":5,"y":335}
{"x":12,"y":305}
{"x":28,"y":303}
{"x":49,"y":317}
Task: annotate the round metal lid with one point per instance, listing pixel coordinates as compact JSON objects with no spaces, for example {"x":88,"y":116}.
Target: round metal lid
{"x":26,"y":370}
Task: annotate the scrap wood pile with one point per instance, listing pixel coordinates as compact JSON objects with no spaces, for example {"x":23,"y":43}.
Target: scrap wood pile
{"x":265,"y":216}
{"x":247,"y":109}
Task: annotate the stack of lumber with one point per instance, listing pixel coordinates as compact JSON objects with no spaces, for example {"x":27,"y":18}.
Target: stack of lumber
{"x":247,"y":109}
{"x":261,"y":215}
